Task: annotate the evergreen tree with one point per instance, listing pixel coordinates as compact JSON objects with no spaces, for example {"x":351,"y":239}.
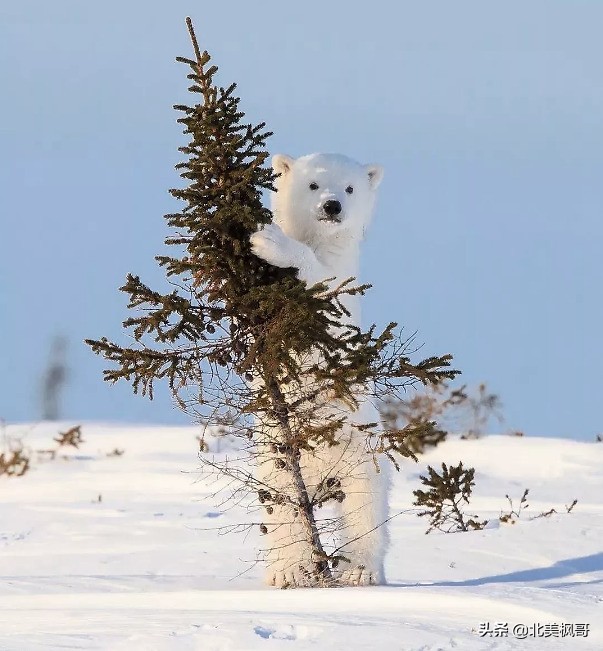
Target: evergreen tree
{"x":234,"y":336}
{"x":444,"y":499}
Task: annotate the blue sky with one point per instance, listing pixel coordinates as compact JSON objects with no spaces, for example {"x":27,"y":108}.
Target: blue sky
{"x":488,"y":119}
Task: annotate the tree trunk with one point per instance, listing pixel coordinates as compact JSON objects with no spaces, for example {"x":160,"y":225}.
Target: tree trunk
{"x":322,"y":571}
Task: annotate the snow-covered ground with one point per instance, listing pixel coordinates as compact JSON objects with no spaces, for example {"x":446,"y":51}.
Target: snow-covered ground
{"x":121,"y":552}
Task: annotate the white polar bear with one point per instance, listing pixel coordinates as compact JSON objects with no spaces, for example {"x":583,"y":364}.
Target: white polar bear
{"x":321,"y":209}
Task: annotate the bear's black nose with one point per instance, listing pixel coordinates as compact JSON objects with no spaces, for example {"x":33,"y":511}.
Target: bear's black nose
{"x":332,"y":207}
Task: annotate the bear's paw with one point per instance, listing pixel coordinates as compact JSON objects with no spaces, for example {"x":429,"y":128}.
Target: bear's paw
{"x":359,"y":575}
{"x":296,"y":576}
{"x":273,"y":246}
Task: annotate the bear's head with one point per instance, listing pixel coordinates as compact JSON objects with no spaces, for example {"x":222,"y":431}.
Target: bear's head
{"x":320,"y":196}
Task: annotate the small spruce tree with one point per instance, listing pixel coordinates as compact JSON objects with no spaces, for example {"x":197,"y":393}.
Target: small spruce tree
{"x":234,"y":336}
{"x":443,"y":502}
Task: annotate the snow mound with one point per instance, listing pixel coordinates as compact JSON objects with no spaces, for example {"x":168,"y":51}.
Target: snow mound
{"x":117,"y":545}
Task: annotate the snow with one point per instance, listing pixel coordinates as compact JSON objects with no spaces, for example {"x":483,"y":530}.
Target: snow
{"x":144,"y":567}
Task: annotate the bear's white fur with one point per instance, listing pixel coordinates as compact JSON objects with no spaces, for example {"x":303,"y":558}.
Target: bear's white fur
{"x":322,"y":207}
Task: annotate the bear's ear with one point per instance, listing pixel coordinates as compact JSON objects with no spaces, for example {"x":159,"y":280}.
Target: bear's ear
{"x":281,"y":163}
{"x":375,"y":174}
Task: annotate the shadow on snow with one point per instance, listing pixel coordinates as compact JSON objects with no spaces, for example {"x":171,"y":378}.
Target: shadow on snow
{"x":560,"y":569}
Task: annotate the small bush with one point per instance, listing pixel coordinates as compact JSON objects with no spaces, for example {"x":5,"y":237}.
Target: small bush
{"x":444,"y":500}
{"x":421,"y":416}
{"x":480,"y":408}
{"x":513,"y":514}
{"x":72,"y":437}
{"x":14,"y":463}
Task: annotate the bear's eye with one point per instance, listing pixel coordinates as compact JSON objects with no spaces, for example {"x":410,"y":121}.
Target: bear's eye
{"x":313,"y":186}
{"x":349,"y":189}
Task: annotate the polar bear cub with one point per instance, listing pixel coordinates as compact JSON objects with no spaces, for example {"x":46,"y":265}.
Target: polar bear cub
{"x":322,"y":207}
